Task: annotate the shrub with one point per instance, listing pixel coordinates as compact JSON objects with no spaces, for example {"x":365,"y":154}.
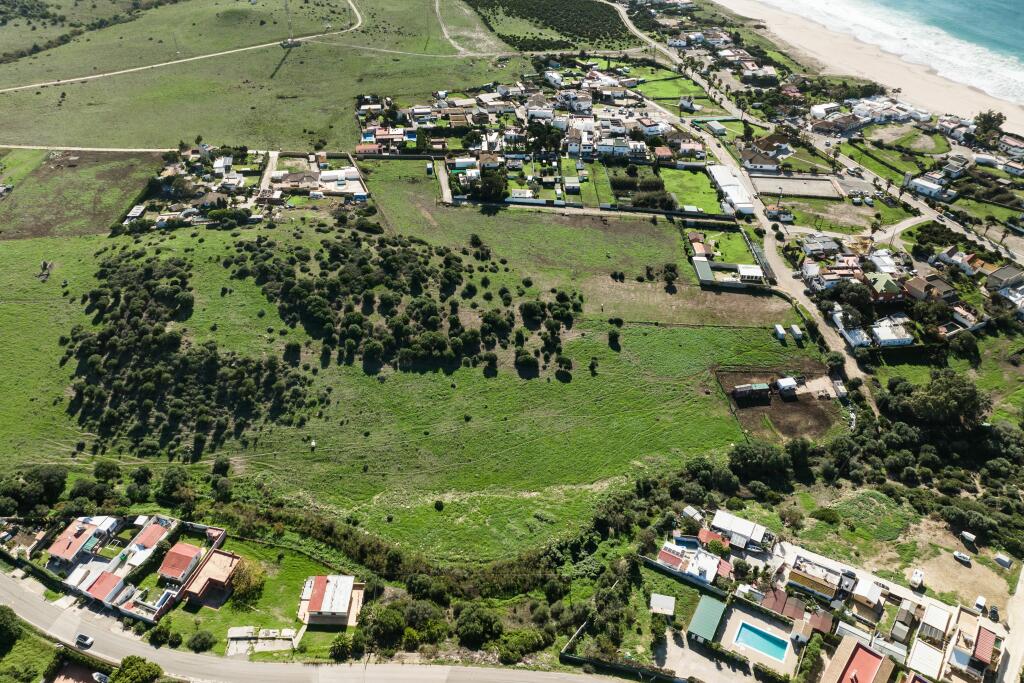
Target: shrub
{"x":201,"y":641}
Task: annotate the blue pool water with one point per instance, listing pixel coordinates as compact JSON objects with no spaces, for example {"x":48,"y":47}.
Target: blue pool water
{"x":762,"y":641}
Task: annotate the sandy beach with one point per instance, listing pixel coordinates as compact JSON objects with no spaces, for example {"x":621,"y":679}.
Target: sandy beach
{"x":837,"y":53}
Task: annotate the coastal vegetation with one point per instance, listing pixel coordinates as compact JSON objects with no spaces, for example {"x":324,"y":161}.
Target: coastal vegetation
{"x":530,"y":25}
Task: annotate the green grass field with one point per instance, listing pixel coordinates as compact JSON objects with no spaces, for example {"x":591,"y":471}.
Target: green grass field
{"x":872,"y":163}
{"x":995,"y":373}
{"x":71,"y":193}
{"x":731,"y":246}
{"x":23,"y":34}
{"x":691,"y":188}
{"x":27,"y":659}
{"x":267,"y":97}
{"x":497,"y":450}
{"x":835,"y":215}
{"x":175,"y":31}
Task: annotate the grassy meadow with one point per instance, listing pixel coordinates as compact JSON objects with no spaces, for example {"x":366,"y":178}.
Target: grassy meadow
{"x":70,"y":193}
{"x":515,"y":462}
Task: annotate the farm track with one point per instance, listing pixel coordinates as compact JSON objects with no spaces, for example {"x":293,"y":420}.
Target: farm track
{"x":82,"y":79}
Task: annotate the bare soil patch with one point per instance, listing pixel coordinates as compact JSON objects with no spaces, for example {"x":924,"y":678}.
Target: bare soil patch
{"x":806,"y":414}
{"x":75,"y":193}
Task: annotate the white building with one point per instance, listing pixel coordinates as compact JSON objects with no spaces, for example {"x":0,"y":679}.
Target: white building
{"x":736,"y":195}
{"x":741,"y":532}
{"x":820,"y":111}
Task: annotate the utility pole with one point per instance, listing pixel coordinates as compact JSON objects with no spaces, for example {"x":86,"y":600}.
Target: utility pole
{"x":290,"y":42}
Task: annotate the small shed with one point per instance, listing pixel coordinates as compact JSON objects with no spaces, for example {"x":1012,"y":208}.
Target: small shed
{"x":780,"y":331}
{"x":706,"y":620}
{"x":786,"y":385}
{"x":663,"y":604}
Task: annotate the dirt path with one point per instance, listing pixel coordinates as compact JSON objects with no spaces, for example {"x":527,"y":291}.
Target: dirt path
{"x":444,"y":28}
{"x":185,"y":60}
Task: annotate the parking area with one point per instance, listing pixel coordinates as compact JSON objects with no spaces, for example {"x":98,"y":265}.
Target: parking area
{"x":809,"y":186}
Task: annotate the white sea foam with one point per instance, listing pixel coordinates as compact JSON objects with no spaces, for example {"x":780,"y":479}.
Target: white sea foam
{"x":902,"y":34}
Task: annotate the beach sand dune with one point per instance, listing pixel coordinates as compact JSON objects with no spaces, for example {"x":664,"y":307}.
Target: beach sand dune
{"x":840,"y":54}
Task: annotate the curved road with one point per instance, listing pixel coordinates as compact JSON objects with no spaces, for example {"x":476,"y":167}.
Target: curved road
{"x":114,"y":644}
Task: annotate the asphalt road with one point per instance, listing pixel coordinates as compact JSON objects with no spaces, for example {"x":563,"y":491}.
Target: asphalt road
{"x":113,"y":644}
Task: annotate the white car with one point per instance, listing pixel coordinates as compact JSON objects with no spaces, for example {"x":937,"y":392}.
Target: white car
{"x":962,"y":557}
{"x":83,"y":641}
{"x":917,"y":578}
{"x":100,"y":677}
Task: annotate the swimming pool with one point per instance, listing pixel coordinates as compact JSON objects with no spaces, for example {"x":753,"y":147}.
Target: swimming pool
{"x":762,"y":641}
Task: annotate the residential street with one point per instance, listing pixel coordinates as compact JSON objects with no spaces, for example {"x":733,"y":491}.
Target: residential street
{"x":113,"y":643}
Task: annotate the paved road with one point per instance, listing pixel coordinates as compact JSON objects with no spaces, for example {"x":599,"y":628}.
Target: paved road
{"x":113,"y":644}
{"x":185,"y":60}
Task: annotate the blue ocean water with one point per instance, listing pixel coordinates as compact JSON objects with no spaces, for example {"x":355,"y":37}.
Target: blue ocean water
{"x":994,"y":24}
{"x":976,"y":42}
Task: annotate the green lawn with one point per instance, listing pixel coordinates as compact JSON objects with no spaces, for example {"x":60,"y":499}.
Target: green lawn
{"x":277,"y":607}
{"x":735,"y":130}
{"x":691,"y":188}
{"x":981,"y":211}
{"x":18,"y":164}
{"x":730,"y":246}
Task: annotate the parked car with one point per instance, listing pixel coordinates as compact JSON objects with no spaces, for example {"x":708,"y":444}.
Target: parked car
{"x":100,"y":677}
{"x":83,"y":641}
{"x":993,"y":613}
{"x":917,"y":578}
{"x":962,"y":557}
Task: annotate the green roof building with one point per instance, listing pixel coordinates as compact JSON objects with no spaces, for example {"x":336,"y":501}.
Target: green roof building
{"x":706,"y":619}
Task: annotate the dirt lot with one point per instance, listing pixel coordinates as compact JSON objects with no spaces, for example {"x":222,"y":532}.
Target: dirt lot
{"x":890,"y":134}
{"x":807,"y":414}
{"x":808,"y":187}
{"x":648,"y":301}
{"x":75,"y":193}
{"x":74,"y":673}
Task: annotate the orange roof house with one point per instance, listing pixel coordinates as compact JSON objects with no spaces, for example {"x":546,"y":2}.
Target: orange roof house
{"x":71,"y":541}
{"x":179,"y":561}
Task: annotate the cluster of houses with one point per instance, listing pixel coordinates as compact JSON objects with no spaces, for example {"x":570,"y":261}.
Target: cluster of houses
{"x":802,"y":594}
{"x":597,"y":112}
{"x":891,"y":279}
{"x":835,"y":119}
{"x":720,"y":43}
{"x":317,"y":176}
{"x":711,"y":270}
{"x":99,"y":557}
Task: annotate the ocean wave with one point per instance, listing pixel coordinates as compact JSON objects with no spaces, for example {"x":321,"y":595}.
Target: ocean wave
{"x":902,"y":34}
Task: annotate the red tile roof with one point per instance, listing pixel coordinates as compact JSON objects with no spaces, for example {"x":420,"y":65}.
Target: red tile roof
{"x":150,"y":536}
{"x":670,"y":559}
{"x":103,"y":585}
{"x":178,"y":560}
{"x":984,"y":644}
{"x":822,"y":621}
{"x":71,"y":540}
{"x":316,"y":599}
{"x":724,"y":569}
{"x":705,"y":536}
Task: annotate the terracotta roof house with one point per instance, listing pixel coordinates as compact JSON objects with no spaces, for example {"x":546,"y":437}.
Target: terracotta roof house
{"x":150,"y":536}
{"x":72,"y":541}
{"x":179,"y":562}
{"x":855,"y":663}
{"x":106,"y":587}
{"x":705,"y":536}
